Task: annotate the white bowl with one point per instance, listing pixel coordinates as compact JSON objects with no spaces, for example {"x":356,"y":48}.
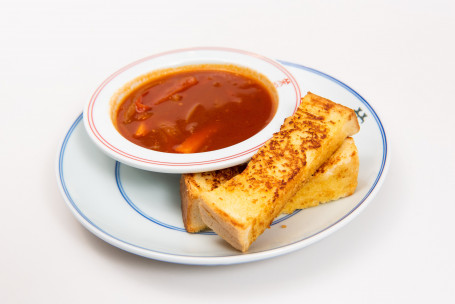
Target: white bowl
{"x":99,"y":125}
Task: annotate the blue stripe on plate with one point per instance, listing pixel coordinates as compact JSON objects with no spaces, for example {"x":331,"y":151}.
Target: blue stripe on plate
{"x":68,"y":196}
{"x":138,"y":210}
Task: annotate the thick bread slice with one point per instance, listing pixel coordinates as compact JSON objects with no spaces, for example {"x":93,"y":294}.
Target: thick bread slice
{"x":335,"y":179}
{"x":192,"y":185}
{"x":243,"y":207}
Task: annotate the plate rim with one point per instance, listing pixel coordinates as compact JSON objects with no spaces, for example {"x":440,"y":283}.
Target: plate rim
{"x":240,"y":258}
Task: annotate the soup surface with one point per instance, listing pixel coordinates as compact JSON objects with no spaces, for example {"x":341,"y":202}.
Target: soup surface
{"x":195,"y":111}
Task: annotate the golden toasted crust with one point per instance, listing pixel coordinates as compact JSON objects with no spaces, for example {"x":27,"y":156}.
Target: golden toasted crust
{"x":189,"y":195}
{"x":336,"y":178}
{"x":243,"y":207}
{"x":192,"y":185}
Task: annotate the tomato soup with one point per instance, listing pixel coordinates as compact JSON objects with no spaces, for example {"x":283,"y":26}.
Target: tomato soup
{"x":195,"y":110}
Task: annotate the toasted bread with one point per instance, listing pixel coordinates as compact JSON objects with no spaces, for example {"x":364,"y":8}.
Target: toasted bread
{"x":192,"y":185}
{"x":335,"y":179}
{"x":243,"y":207}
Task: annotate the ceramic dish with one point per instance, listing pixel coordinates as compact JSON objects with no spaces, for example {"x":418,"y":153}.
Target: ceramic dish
{"x":139,"y":211}
{"x":98,"y":122}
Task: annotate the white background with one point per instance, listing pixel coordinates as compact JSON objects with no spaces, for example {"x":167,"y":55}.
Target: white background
{"x":399,"y":55}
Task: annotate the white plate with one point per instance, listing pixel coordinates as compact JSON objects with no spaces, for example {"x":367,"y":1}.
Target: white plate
{"x":139,"y":211}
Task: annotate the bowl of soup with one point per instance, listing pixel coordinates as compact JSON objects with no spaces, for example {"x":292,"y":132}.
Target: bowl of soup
{"x":190,"y":110}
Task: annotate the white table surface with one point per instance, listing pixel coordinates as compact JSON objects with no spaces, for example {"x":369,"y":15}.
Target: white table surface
{"x":399,"y":55}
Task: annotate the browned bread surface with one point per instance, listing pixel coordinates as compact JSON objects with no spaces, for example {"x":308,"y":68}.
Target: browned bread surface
{"x":243,"y":207}
{"x":336,"y":178}
{"x":191,"y":187}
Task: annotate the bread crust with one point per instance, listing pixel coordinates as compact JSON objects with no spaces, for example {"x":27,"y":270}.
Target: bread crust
{"x":189,"y":194}
{"x":335,"y":179}
{"x":243,"y":207}
{"x":191,"y":187}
